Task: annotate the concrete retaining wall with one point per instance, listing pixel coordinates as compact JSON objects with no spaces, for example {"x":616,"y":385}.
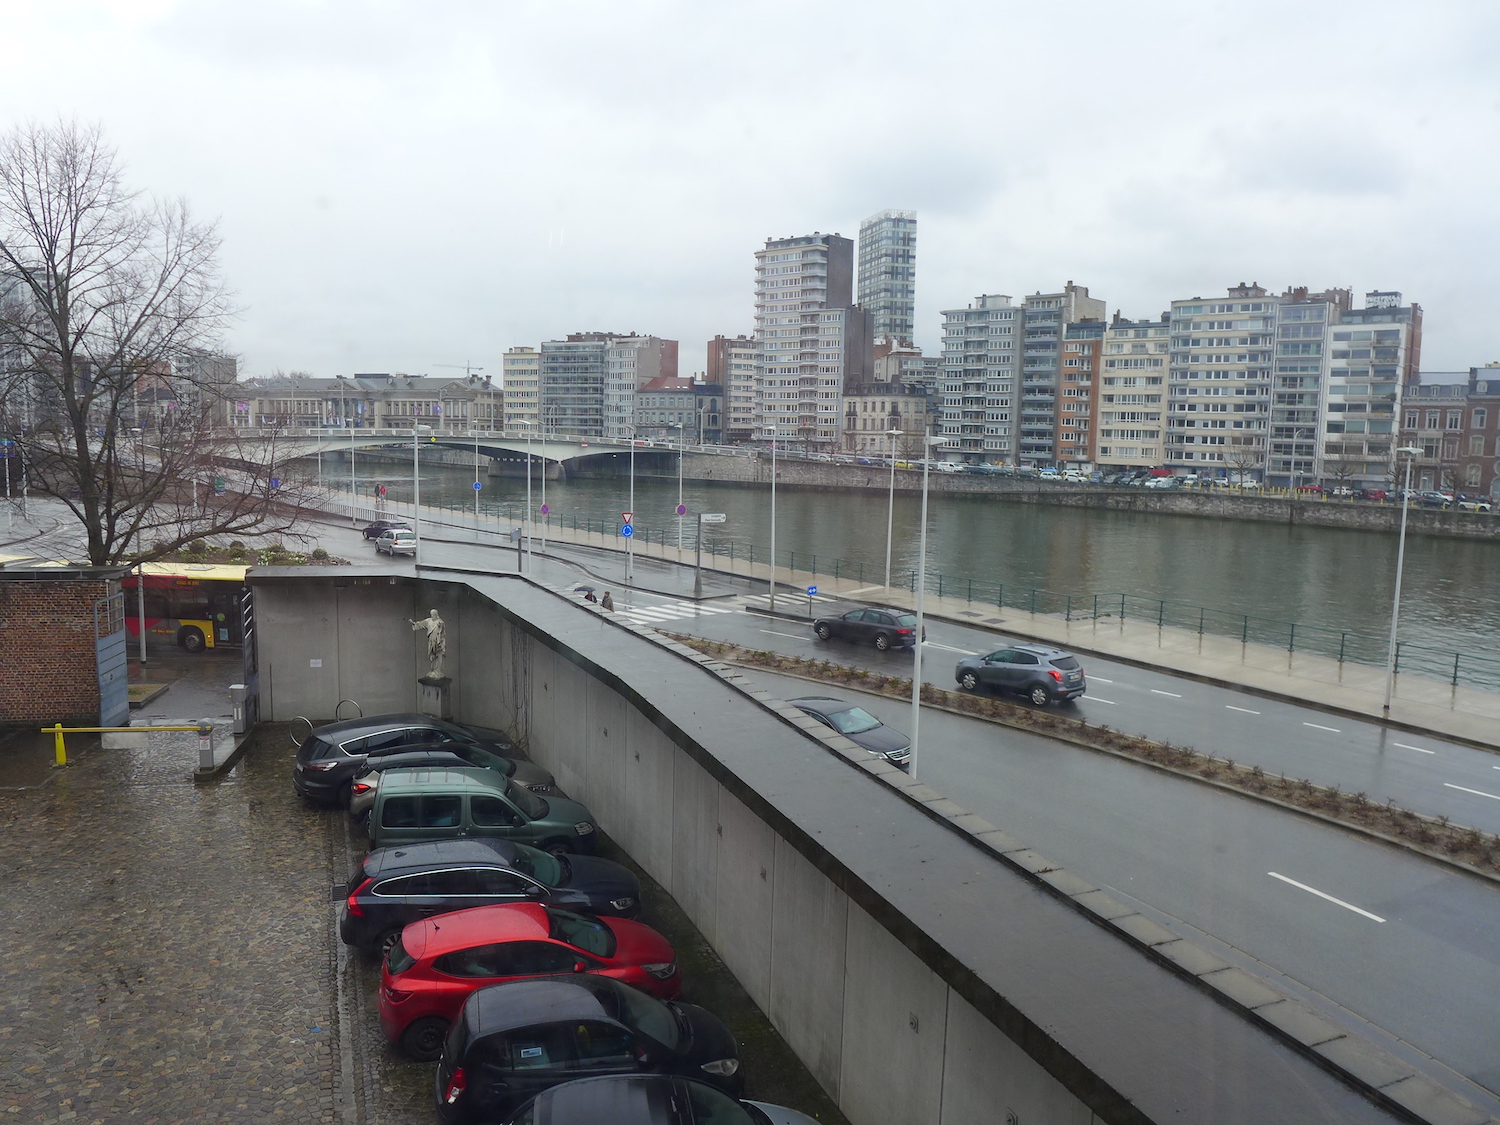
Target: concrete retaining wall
{"x":919,"y":978}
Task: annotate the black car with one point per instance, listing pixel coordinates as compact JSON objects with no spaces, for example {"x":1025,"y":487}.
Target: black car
{"x":374,"y":530}
{"x":331,"y":755}
{"x":859,"y":727}
{"x":1039,"y":672}
{"x":884,"y":628}
{"x":396,"y":886}
{"x":647,"y":1099}
{"x":514,"y":1040}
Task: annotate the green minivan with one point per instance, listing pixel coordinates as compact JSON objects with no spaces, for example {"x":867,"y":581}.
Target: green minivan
{"x":416,"y":805}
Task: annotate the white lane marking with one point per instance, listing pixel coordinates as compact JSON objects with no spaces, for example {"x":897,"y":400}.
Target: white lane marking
{"x":1158,"y":691}
{"x":1419,"y":750}
{"x":1246,"y":710}
{"x":1330,"y":898}
{"x":1476,"y":792}
{"x":1315,"y":726}
{"x":1096,"y":699}
{"x":774,"y":633}
{"x":950,"y":648}
{"x":1100,"y":680}
{"x":863,"y":590}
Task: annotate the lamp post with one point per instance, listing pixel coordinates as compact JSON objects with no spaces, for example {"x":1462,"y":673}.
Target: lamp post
{"x":630,"y":539}
{"x":140,"y":567}
{"x":916,"y":671}
{"x":1390,"y":659}
{"x":890,"y":509}
{"x":772,"y":603}
{"x":526,"y":530}
{"x":681,"y":437}
{"x":416,"y":493}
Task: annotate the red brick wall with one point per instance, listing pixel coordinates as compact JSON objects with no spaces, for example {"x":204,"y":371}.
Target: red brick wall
{"x":48,"y":668}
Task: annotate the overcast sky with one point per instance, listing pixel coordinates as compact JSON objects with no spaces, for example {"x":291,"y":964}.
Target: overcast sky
{"x":405,"y":185}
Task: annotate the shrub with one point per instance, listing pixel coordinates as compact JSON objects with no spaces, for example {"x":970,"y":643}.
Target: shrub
{"x":319,"y":554}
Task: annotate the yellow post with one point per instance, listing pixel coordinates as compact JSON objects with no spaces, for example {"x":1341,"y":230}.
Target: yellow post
{"x":59,"y":747}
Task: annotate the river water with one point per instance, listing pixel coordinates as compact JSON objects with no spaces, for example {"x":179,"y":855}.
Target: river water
{"x":1316,"y":577}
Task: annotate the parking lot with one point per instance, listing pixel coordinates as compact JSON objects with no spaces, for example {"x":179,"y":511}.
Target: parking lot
{"x":172,"y":954}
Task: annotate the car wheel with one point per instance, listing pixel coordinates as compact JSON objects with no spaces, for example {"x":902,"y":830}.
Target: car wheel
{"x":559,"y":847}
{"x":191,"y":639}
{"x":1039,"y":696}
{"x":969,"y":681}
{"x":341,"y":798}
{"x":882,"y":642}
{"x":387,"y":942}
{"x":823,"y":631}
{"x":423,"y":1038}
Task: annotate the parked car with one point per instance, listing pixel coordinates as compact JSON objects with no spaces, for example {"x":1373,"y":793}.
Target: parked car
{"x":1162,"y":483}
{"x":884,"y":628}
{"x":1048,"y":474}
{"x":859,"y":727}
{"x":1374,"y":494}
{"x":372,"y":531}
{"x":512,"y":1041}
{"x":1041,"y":673}
{"x":1342,"y":490}
{"x":863,"y":461}
{"x":1473,"y":502}
{"x":947,"y":467}
{"x":393,"y":887}
{"x":1073,"y":476}
{"x":453,"y":756}
{"x":331,"y":755}
{"x":648,"y":1099}
{"x":396,"y":541}
{"x":1310,"y":489}
{"x":412,"y":806}
{"x":1028,"y":471}
{"x":437,"y":963}
{"x":1434,"y":499}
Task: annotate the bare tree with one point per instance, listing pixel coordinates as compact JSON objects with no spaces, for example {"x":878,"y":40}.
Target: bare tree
{"x":1343,"y":462}
{"x":111,"y":315}
{"x":1243,"y":455}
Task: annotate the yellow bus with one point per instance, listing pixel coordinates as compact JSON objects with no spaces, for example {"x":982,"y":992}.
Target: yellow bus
{"x":195,"y":605}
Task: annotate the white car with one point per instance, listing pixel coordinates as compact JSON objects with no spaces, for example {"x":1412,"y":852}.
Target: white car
{"x":947,"y":467}
{"x":1072,"y":476}
{"x":396,"y":541}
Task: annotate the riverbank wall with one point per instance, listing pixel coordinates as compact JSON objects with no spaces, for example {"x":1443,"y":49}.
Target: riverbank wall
{"x":1346,"y":514}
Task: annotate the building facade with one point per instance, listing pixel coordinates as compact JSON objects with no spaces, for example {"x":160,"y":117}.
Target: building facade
{"x":732,"y":365}
{"x":1077,"y":407}
{"x":520,"y":387}
{"x":630,"y":363}
{"x":976,"y":392}
{"x":373,"y":401}
{"x":872,"y":410}
{"x":1373,"y":354}
{"x":1132,"y":393}
{"x":810,"y":338}
{"x":1479,"y":448}
{"x":888,"y":272}
{"x":681,"y":410}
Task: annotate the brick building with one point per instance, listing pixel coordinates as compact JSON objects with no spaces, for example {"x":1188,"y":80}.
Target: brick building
{"x":63,"y":660}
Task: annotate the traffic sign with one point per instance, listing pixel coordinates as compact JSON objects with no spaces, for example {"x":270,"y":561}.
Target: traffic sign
{"x":812,"y":591}
{"x":477,"y":486}
{"x":545,"y":509}
{"x":682,"y":509}
{"x":711,"y":517}
{"x":275,"y":482}
{"x":628,"y":517}
{"x":627,"y":531}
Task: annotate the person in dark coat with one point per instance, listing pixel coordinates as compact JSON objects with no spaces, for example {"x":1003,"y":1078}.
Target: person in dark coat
{"x":608,"y":602}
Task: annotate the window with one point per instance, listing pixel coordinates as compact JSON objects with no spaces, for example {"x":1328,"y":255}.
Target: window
{"x":399,"y":812}
{"x":1455,"y":420}
{"x":1472,"y":475}
{"x":441,"y":811}
{"x":492,"y":812}
{"x":1478,"y":418}
{"x":1476,"y":445}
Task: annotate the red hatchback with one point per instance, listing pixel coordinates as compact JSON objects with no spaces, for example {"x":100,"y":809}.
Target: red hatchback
{"x":430,"y":972}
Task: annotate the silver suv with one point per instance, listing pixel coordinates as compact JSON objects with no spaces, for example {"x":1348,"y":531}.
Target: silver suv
{"x":1041,"y":673}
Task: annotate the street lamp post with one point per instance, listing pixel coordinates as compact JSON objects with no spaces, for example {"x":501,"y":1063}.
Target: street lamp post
{"x":681,"y":438}
{"x":1390,"y":659}
{"x":140,"y":567}
{"x":416,"y":493}
{"x":630,"y":539}
{"x":890,"y":509}
{"x":916,"y":672}
{"x":772,"y":603}
{"x":526,"y":529}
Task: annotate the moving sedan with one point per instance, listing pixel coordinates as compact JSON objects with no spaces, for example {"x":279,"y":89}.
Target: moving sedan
{"x":648,"y":1099}
{"x":515,"y":1040}
{"x":884,"y":628}
{"x":1041,"y":673}
{"x":859,"y":727}
{"x":394,"y":887}
{"x":430,"y":972}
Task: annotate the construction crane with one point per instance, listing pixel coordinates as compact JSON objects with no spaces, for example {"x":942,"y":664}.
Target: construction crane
{"x":467,"y":368}
{"x":470,"y":372}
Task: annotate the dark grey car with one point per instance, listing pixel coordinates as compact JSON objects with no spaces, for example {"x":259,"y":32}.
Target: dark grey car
{"x":1041,"y":673}
{"x":859,"y":727}
{"x":883,"y":628}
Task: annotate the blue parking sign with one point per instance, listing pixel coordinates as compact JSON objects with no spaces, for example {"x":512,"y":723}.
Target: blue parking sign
{"x":812,"y":591}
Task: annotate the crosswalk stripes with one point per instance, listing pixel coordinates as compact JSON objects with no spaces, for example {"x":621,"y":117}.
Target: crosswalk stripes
{"x":669,"y":611}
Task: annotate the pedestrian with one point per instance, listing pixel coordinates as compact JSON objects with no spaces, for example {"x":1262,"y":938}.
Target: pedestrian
{"x":588,"y":596}
{"x":608,"y":602}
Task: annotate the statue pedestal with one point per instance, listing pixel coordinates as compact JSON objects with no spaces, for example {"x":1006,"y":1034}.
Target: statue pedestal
{"x":436,"y":696}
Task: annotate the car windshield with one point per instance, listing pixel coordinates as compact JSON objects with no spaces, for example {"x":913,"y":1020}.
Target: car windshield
{"x":479,"y":756}
{"x":398,"y":960}
{"x":532,"y":806}
{"x":1066,"y":663}
{"x":853,"y":721}
{"x":588,"y":934}
{"x":640,"y":1012}
{"x":909,"y":620}
{"x":712,"y":1107}
{"x":538,"y":864}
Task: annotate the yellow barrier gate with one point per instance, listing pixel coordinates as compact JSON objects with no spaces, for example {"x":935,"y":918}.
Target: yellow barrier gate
{"x":60,"y":748}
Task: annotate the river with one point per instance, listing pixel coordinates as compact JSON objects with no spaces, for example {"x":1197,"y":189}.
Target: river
{"x":1316,"y":577}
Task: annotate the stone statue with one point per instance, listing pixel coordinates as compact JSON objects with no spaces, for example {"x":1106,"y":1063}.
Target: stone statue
{"x":437,"y":646}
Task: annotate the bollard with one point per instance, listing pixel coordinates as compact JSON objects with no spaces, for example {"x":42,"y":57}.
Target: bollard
{"x":59,"y":747}
{"x":205,"y":744}
{"x":237,"y":693}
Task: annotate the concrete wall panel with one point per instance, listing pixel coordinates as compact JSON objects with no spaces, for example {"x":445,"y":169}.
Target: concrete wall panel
{"x":648,"y":790}
{"x":895,"y":1022}
{"x":300,"y":672}
{"x":986,"y":1077}
{"x":747,"y":874}
{"x":377,"y":649}
{"x":809,"y":920}
{"x":605,"y":752}
{"x":694,"y":880}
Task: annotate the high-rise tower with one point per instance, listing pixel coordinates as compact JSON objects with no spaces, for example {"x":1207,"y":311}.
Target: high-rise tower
{"x":888,"y":272}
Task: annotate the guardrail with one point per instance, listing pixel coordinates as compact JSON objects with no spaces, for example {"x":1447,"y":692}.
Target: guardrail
{"x":205,"y":732}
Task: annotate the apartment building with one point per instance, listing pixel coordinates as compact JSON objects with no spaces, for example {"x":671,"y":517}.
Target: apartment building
{"x":1435,"y":417}
{"x":1044,"y":317}
{"x":810,"y":338}
{"x":732,"y":365}
{"x":631,"y":362}
{"x":520,"y":383}
{"x":1131,"y":393}
{"x":589,"y":379}
{"x":1478,"y":468}
{"x":1077,"y":413}
{"x":888,"y":273}
{"x":872,"y":410}
{"x":379,"y":401}
{"x":1373,"y":353}
{"x":976,"y":394}
{"x":896,"y":362}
